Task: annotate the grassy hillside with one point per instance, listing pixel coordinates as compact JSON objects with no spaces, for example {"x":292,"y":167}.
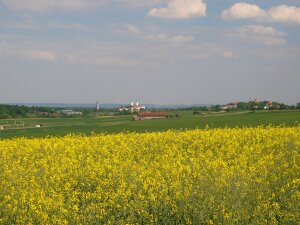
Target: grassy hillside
{"x":62,"y":126}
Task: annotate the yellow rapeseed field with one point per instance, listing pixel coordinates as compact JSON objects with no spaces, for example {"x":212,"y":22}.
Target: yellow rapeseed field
{"x":211,"y":176}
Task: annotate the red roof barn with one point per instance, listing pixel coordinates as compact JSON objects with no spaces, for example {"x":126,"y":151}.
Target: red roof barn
{"x":151,"y":115}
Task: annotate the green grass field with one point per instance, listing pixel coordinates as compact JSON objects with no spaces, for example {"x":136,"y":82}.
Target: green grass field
{"x":60,"y":127}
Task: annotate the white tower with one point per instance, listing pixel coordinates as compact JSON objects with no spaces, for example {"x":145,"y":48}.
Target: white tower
{"x":98,"y":105}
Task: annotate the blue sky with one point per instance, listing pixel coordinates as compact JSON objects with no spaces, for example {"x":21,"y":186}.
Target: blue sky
{"x":154,"y":51}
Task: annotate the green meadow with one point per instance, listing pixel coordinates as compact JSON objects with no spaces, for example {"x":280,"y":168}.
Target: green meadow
{"x":115,"y":124}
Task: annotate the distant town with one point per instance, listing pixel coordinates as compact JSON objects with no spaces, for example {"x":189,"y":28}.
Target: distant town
{"x":8,"y":111}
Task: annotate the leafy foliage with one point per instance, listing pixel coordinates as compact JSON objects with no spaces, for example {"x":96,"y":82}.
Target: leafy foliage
{"x":15,"y":111}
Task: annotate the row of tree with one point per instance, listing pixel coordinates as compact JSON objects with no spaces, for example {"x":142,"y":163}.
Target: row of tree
{"x":251,"y":105}
{"x":15,"y":111}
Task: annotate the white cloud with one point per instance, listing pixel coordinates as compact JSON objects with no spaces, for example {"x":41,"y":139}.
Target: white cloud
{"x":71,"y":5}
{"x":137,"y":3}
{"x":284,"y":13}
{"x":228,"y":54}
{"x":156,"y":34}
{"x":261,"y":30}
{"x":131,"y":28}
{"x":243,"y":11}
{"x":115,"y":61}
{"x":69,"y":26}
{"x":46,"y":5}
{"x":41,"y":55}
{"x":168,"y":38}
{"x":182,"y":38}
{"x":19,"y":25}
{"x":67,"y":51}
{"x":30,"y":24}
{"x":280,"y":13}
{"x":180,"y":9}
{"x":261,"y":35}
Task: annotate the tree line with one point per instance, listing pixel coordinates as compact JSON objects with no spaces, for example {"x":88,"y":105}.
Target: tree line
{"x":16,"y":111}
{"x":251,"y":105}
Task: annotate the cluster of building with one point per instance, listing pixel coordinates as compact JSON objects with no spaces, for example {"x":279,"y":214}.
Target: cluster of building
{"x":268,"y":105}
{"x":257,"y":104}
{"x":262,"y":104}
{"x":232,"y":105}
{"x":141,"y":114}
{"x":133,"y":107}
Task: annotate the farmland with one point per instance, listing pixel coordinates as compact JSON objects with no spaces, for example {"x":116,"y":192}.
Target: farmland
{"x":210,"y":176}
{"x":213,"y":168}
{"x":115,"y":124}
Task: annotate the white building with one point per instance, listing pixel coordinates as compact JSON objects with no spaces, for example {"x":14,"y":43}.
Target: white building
{"x":232,"y":105}
{"x":134,"y":107}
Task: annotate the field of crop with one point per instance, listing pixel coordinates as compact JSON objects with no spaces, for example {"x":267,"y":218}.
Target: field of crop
{"x":210,"y":176}
{"x":115,"y":124}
